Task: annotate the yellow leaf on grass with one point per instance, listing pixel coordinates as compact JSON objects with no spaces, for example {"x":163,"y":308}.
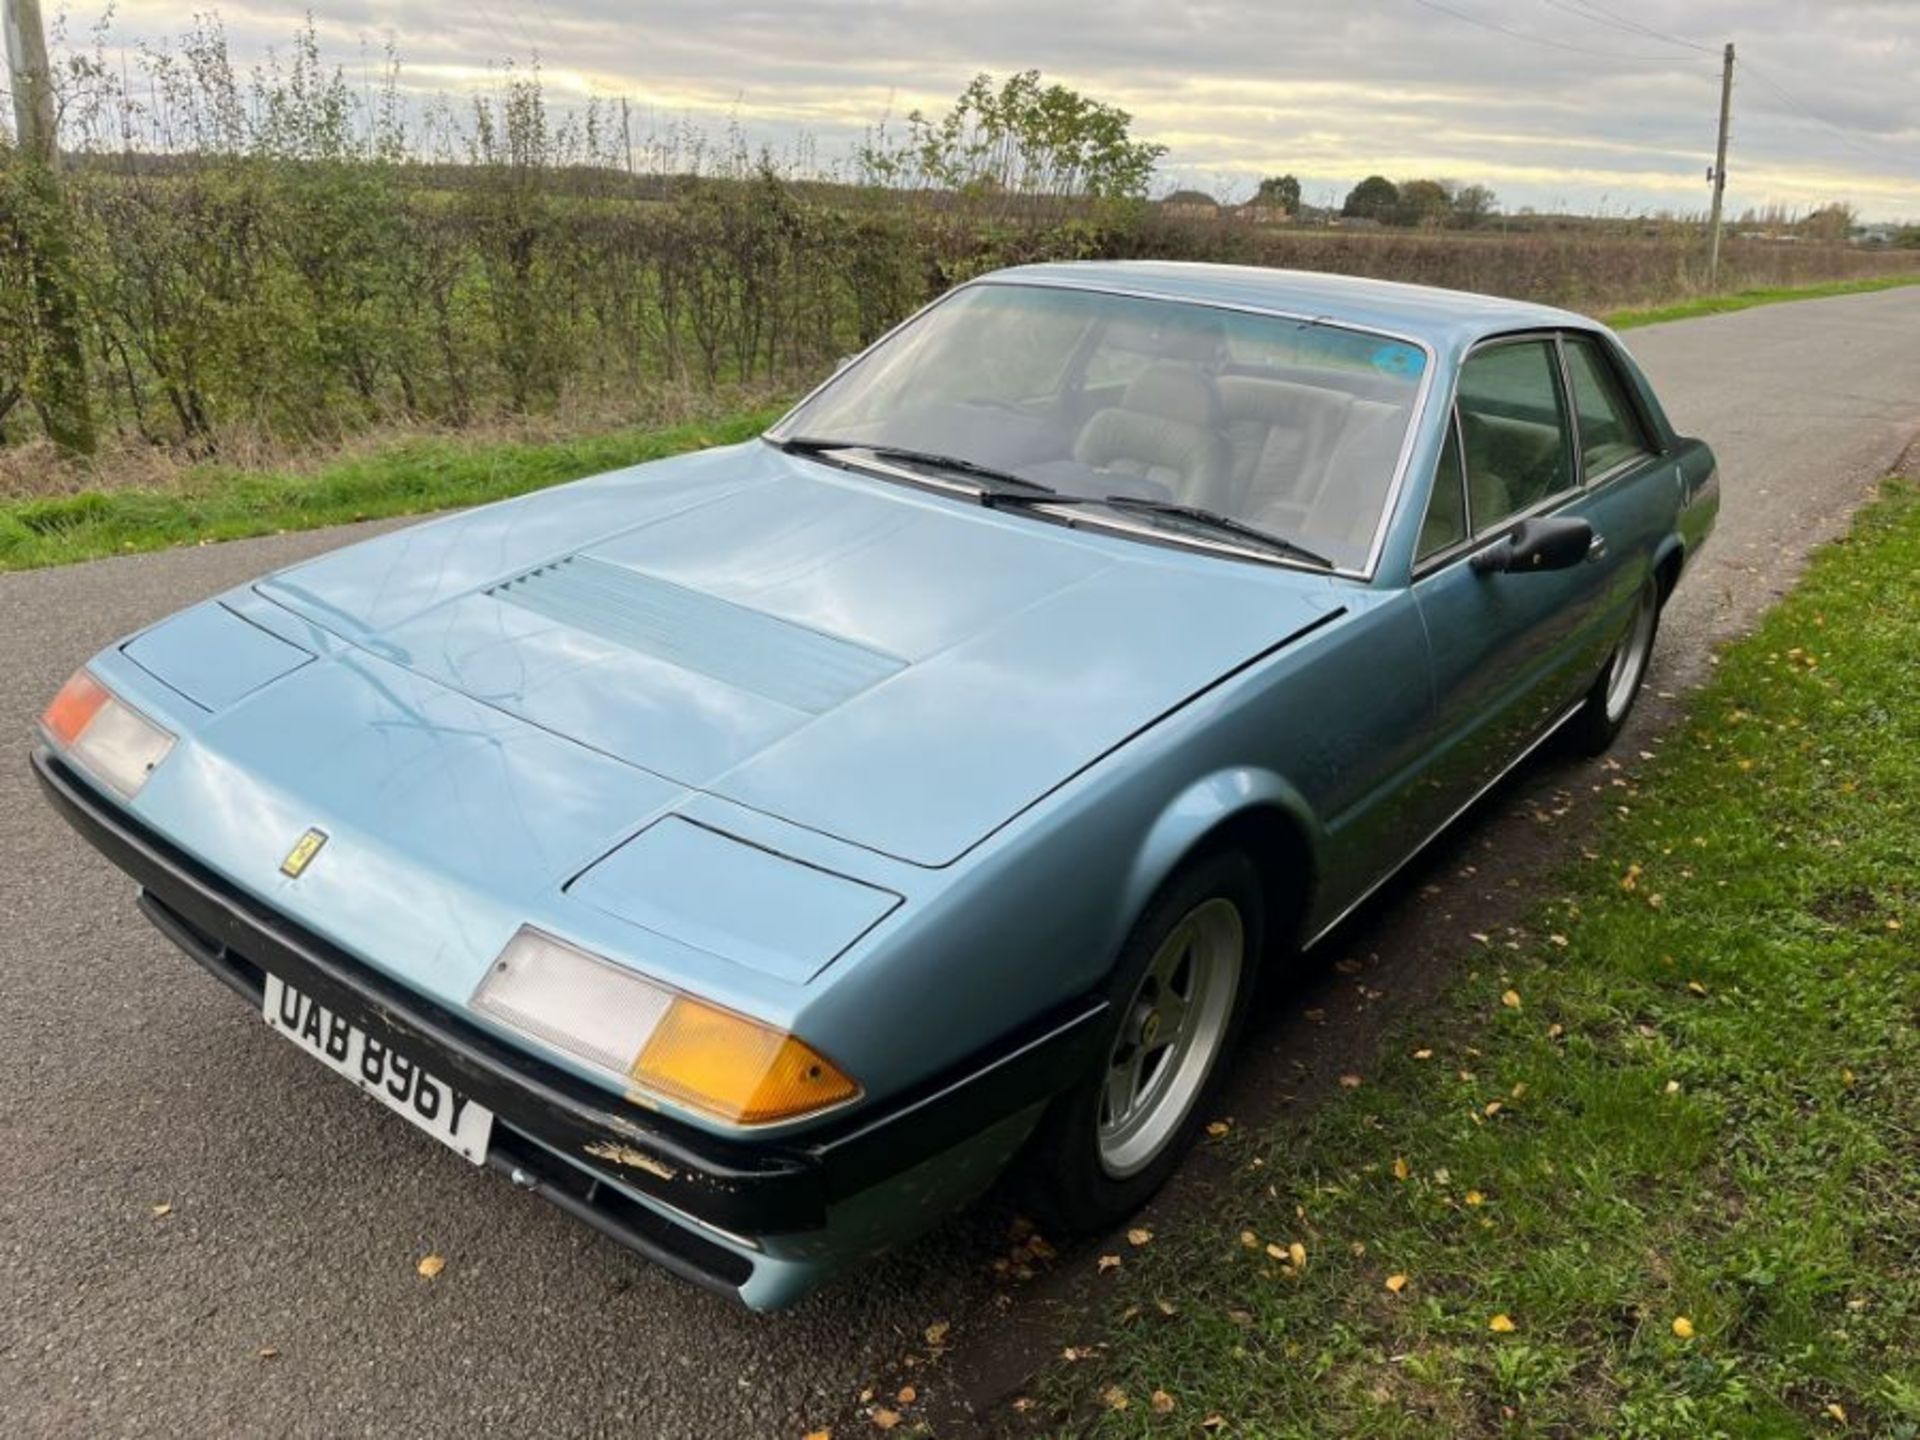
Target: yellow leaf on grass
{"x":430,"y":1266}
{"x":1511,"y":999}
{"x":1838,"y":1412}
{"x":907,"y":1395}
{"x":1162,"y":1403}
{"x":1217,"y":1128}
{"x":1109,"y":1262}
{"x":1297,"y":1253}
{"x":1114,"y":1398}
{"x":1139,"y":1235}
{"x":819,"y":1435}
{"x":1396,"y":1283}
{"x":1683,"y":1327}
{"x":1400,"y":1170}
{"x":1423,"y":1054}
{"x":1474,"y":1197}
{"x":886,"y":1419}
{"x":937,"y":1333}
{"x":1276,"y":1252}
{"x":1249,"y":1239}
{"x":1556,"y":1030}
{"x":1696,"y":987}
{"x":1501,"y":1324}
{"x":1350,"y":1082}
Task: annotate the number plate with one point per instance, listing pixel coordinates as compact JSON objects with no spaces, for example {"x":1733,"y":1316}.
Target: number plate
{"x":461,"y":1124}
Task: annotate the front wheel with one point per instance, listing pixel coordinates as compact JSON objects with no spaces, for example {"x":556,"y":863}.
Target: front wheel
{"x":1180,"y":994}
{"x":1610,"y":701}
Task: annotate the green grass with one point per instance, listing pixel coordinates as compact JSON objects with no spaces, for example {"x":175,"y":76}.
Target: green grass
{"x":214,"y":502}
{"x":1747,"y":299}
{"x":1687,"y":1088}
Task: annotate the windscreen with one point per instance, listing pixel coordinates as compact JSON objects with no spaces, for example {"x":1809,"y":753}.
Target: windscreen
{"x":1292,"y":427}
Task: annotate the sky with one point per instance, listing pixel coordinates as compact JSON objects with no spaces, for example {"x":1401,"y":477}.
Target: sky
{"x":1584,"y":105}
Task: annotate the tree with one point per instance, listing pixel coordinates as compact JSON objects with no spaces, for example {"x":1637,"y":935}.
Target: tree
{"x":1474,"y":205}
{"x":1832,"y":223}
{"x":1374,"y":198}
{"x":1423,"y":204}
{"x":1282,"y":192}
{"x":1019,"y":138}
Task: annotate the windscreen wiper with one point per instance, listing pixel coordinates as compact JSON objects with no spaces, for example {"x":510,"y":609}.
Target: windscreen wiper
{"x":960,"y":465}
{"x":1190,"y":514}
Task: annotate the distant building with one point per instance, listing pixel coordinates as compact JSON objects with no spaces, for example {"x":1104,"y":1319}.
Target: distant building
{"x":1191,"y":205}
{"x":1257,"y":212}
{"x":1356,"y":222}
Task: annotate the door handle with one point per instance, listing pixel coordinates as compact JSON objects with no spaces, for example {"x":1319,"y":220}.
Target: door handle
{"x":1596,"y":549}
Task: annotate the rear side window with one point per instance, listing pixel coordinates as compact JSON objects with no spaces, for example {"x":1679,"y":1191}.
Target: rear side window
{"x":1513,"y":422}
{"x":1610,"y":429}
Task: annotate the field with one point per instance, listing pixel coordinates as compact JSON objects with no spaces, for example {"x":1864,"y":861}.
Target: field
{"x":1647,"y":1167}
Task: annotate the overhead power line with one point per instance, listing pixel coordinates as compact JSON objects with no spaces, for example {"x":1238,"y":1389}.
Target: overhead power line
{"x":1497,"y":28}
{"x":1598,"y":14}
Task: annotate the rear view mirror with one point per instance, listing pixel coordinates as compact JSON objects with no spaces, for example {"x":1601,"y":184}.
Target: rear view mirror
{"x":1543,"y":543}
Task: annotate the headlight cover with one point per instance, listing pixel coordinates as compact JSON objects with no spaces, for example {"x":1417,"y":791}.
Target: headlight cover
{"x":110,"y":739}
{"x":660,"y":1042}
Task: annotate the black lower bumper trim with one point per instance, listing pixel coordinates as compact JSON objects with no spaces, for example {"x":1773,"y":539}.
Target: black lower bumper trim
{"x":743,"y":1188}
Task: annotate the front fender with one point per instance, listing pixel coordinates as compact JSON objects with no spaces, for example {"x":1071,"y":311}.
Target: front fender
{"x":1211,"y":804}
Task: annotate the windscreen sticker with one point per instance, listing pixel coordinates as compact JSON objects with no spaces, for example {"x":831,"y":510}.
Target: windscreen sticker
{"x":1399,"y":360}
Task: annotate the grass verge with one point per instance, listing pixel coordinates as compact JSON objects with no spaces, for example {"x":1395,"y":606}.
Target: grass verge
{"x":1651,"y":1167}
{"x":215,"y":502}
{"x":1747,"y":299}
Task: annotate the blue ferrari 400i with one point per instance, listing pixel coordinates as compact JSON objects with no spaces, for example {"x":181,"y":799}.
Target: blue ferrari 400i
{"x":757,"y":852}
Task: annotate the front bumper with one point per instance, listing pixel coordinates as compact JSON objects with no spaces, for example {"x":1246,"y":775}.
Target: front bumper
{"x":698,"y":1204}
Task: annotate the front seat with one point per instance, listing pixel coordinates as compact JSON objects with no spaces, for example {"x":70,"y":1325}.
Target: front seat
{"x":1166,"y":429}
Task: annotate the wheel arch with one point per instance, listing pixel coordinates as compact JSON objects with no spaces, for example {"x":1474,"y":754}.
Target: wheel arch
{"x":1668,"y":562}
{"x":1255,"y":812}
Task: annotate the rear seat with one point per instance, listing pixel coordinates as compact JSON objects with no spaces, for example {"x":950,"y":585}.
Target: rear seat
{"x":1280,"y":435}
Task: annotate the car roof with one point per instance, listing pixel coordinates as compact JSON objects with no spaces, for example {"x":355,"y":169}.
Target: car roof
{"x":1448,"y":320}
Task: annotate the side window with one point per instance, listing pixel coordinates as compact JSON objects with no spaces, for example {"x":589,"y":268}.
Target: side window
{"x":1610,"y":430}
{"x":1513,"y":422}
{"x":1446,"y":522}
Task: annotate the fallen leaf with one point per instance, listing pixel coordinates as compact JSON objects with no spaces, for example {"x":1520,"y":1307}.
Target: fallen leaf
{"x":1249,"y":1239}
{"x":1396,"y":1283}
{"x":1351,"y":1082}
{"x":1162,"y":1403}
{"x":1297,"y":1253}
{"x":1511,"y":999}
{"x":1214,"y":1422}
{"x":1276,"y":1251}
{"x":937,"y":1332}
{"x":1217,"y":1128}
{"x":268,"y":1352}
{"x":1109,"y":1262}
{"x":1166,"y":1307}
{"x":819,"y":1435}
{"x":1494,"y":1107}
{"x":1076,"y":1352}
{"x":1838,"y":1412}
{"x":1139,"y":1235}
{"x":1673,"y":1087}
{"x":1683,"y":1327}
{"x":1022,"y":1404}
{"x":1474,"y":1197}
{"x":1556,"y":1030}
{"x":1114,"y":1398}
{"x":161,"y":1211}
{"x":907,"y":1395}
{"x":1696,"y":987}
{"x":431,"y":1266}
{"x":1501,"y":1324}
{"x":884,"y":1418}
{"x":1423,"y":1054}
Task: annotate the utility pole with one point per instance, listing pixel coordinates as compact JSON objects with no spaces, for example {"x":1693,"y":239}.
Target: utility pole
{"x":32,"y":82}
{"x":57,"y":373}
{"x":1718,"y":175}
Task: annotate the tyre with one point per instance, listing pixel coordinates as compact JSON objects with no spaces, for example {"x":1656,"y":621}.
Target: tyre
{"x":1180,"y":994}
{"x":1610,"y":701}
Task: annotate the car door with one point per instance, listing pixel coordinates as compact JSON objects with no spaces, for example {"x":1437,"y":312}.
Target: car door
{"x":1510,"y":651}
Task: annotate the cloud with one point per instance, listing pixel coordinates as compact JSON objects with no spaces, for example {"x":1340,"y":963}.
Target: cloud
{"x":1582,"y":103}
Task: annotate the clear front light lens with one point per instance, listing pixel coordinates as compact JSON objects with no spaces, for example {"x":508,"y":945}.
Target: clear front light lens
{"x":662,"y":1043}
{"x":107,"y":737}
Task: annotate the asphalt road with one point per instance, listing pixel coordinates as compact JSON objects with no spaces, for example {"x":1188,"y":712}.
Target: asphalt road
{"x":278,"y":1293}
